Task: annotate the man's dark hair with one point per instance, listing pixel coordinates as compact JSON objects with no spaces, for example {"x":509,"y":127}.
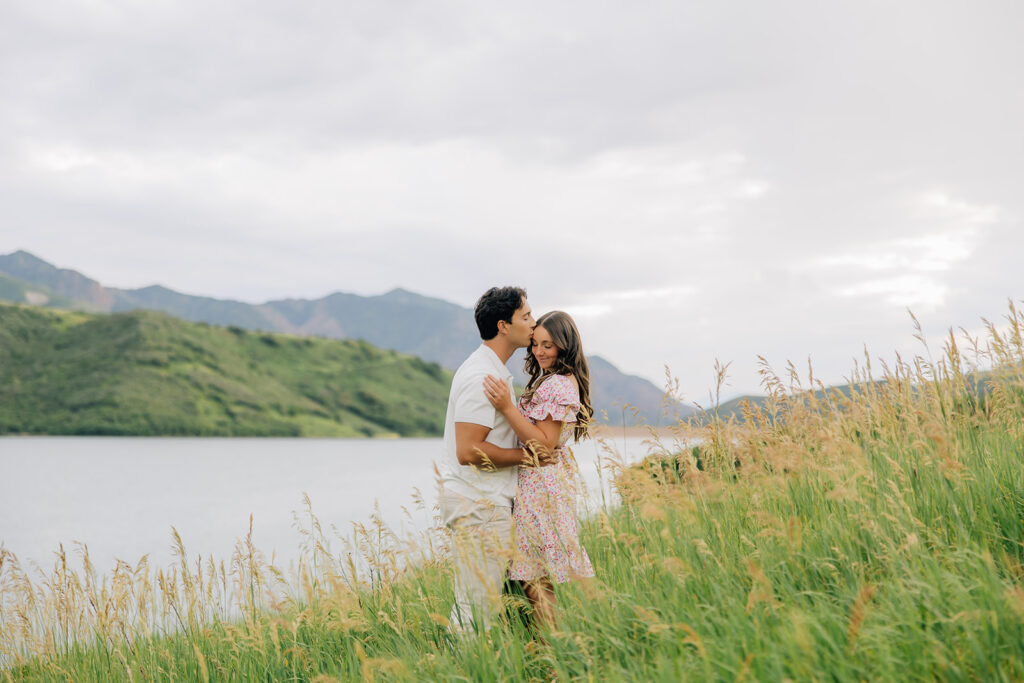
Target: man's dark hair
{"x":497,"y":303}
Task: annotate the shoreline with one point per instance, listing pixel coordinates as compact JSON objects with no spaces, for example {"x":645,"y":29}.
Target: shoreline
{"x":599,"y":431}
{"x":641,"y":431}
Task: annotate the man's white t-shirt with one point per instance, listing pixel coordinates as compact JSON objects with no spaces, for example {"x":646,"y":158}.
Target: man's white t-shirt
{"x":467,"y":403}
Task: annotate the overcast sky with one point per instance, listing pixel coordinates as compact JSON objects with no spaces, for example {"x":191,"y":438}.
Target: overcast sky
{"x":693,"y":180}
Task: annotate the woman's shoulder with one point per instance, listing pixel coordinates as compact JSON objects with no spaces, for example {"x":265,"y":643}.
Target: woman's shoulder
{"x":557,"y":386}
{"x":556,"y":397}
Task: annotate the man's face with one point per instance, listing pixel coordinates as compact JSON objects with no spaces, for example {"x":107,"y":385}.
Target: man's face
{"x":520,"y":330}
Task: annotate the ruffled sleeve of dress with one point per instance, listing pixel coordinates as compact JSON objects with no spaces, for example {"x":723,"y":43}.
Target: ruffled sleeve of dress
{"x":556,"y":397}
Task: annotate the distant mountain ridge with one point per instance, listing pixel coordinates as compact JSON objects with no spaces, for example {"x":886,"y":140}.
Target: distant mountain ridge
{"x":432,"y":329}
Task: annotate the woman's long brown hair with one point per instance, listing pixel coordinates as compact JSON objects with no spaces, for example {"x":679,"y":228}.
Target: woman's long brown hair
{"x":570,"y":361}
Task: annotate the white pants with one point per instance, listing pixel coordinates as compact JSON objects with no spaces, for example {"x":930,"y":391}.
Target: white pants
{"x":481,"y":551}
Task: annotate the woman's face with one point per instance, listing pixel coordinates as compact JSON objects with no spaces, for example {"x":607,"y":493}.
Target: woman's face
{"x":543,"y":348}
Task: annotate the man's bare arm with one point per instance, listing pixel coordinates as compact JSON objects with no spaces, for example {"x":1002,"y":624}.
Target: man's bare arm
{"x":471,"y":447}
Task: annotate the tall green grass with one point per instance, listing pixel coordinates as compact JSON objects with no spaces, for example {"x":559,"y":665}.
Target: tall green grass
{"x":873,"y":533}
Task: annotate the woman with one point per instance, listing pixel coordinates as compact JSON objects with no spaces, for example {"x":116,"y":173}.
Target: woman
{"x":554,"y":406}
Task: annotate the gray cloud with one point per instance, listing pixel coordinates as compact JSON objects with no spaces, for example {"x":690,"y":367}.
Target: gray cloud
{"x":694,"y":180}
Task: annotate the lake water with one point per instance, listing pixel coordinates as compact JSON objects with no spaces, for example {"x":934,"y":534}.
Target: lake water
{"x":121,"y":496}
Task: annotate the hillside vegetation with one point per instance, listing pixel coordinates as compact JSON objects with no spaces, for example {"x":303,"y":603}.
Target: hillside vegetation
{"x":145,"y":373}
{"x":873,"y":535}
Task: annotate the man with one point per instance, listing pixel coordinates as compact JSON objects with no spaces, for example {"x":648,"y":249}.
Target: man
{"x":478,"y":472}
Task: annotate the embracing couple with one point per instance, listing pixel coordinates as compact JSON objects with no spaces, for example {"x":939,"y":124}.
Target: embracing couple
{"x":507,"y":481}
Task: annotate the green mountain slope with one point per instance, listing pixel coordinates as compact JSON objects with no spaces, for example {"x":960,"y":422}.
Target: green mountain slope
{"x":146,"y":373}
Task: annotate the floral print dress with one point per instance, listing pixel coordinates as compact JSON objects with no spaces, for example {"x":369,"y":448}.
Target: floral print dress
{"x":546,"y":532}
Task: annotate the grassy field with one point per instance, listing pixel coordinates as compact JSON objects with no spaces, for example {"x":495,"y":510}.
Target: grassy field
{"x":871,"y":535}
{"x":148,"y":374}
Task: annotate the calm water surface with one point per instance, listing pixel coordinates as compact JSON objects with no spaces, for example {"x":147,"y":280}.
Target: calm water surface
{"x":122,"y":496}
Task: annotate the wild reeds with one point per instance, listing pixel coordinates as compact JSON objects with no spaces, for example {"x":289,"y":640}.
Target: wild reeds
{"x":873,"y":531}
